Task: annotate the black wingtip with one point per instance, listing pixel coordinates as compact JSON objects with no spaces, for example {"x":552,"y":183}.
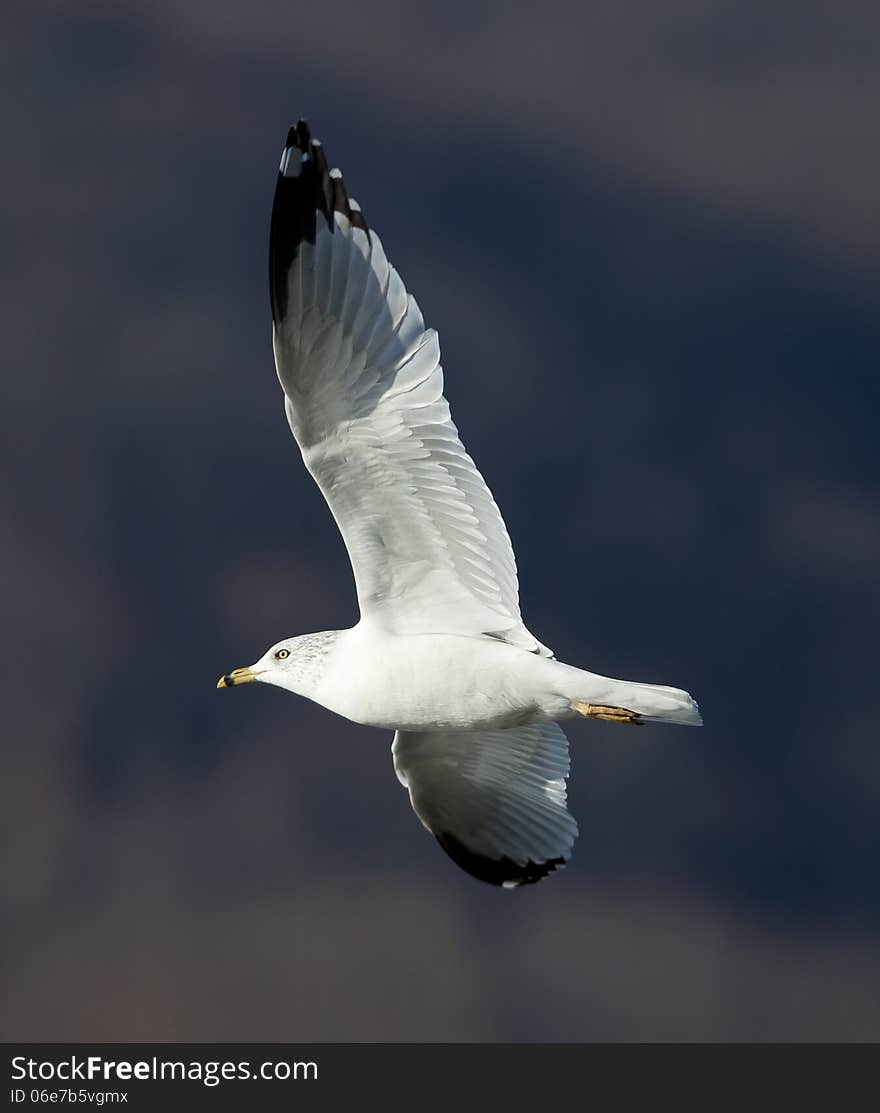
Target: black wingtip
{"x":299,"y":136}
{"x":340,"y":196}
{"x":300,"y":194}
{"x":496,"y":871}
{"x":316,"y":151}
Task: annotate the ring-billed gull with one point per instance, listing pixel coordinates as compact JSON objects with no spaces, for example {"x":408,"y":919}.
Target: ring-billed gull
{"x":440,"y":655}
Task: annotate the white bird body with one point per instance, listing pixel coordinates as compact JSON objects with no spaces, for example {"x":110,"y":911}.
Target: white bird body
{"x":441,"y":654}
{"x":415,"y":682}
{"x":419,"y":682}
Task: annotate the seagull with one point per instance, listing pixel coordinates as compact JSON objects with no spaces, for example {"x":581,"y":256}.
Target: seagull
{"x":440,"y":654}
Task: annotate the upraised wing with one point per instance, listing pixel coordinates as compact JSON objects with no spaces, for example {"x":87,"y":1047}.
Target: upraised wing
{"x":364,"y":398}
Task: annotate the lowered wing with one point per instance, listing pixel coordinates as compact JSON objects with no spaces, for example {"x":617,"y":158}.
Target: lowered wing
{"x":493,"y":799}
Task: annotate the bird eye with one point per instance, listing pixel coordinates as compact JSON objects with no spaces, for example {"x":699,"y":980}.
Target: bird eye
{"x":281,"y":654}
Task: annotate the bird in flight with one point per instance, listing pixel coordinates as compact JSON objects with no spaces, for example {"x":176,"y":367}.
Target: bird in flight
{"x":440,"y":655}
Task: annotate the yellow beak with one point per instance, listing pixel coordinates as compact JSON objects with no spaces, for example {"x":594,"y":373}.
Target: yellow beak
{"x":238,"y":676}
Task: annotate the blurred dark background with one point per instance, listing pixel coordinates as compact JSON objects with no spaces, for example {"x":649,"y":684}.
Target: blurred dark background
{"x":648,"y":236}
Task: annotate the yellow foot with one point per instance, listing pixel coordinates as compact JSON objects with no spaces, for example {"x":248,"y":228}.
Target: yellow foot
{"x":601,"y":711}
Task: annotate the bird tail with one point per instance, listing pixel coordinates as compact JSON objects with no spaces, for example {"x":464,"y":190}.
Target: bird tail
{"x":601,"y":697}
{"x":657,"y":703}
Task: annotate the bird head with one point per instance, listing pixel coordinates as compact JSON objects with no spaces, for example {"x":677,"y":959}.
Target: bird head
{"x":295,"y":663}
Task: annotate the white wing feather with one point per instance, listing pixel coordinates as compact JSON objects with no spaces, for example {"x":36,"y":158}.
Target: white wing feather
{"x":494,"y":800}
{"x":364,"y":398}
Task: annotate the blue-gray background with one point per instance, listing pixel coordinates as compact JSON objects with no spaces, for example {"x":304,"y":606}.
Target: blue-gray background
{"x":648,"y":236}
